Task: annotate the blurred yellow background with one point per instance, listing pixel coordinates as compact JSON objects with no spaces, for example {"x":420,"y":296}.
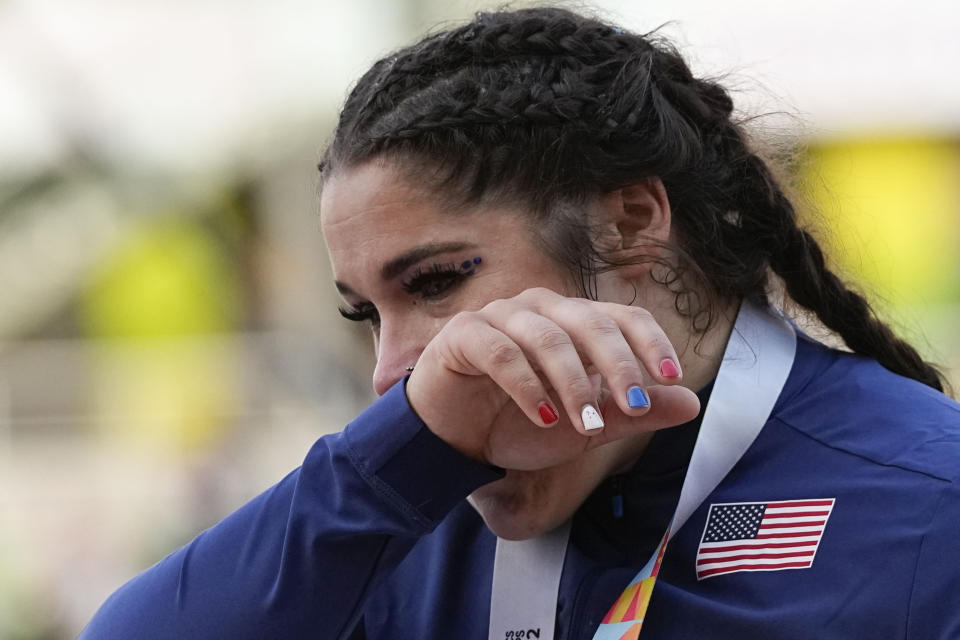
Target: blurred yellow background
{"x":169,"y":344}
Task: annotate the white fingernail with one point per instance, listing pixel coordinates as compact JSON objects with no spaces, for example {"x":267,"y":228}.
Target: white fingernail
{"x":591,"y":418}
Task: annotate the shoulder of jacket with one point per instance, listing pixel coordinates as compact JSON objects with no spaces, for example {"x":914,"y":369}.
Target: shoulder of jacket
{"x":853,"y":404}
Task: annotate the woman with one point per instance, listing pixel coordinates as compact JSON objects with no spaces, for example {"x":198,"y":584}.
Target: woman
{"x":563,"y":243}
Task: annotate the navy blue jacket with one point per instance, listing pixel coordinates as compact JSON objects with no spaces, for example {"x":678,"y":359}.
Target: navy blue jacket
{"x":371,"y":536}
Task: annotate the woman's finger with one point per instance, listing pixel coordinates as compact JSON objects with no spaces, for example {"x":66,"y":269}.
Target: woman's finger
{"x":669,"y":406}
{"x":554,"y":353}
{"x":485,"y":350}
{"x":598,"y":336}
{"x":648,"y":341}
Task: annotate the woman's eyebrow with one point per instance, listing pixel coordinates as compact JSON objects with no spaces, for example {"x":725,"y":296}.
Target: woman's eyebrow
{"x":398,"y":265}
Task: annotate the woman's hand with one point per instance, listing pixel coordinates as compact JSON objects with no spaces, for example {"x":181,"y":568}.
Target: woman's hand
{"x":516,"y":383}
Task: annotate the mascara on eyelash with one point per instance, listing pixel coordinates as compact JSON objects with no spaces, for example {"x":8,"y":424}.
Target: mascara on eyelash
{"x":415,"y":284}
{"x":363,"y":314}
{"x":441,"y":272}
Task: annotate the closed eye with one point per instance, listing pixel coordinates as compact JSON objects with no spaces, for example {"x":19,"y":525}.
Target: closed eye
{"x":436,"y":280}
{"x":363,"y":313}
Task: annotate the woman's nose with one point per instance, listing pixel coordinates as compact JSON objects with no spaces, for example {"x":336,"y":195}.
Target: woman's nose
{"x":385,"y":376}
{"x":393,"y":358}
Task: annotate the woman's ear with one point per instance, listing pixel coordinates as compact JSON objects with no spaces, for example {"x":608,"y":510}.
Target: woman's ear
{"x":632,"y":221}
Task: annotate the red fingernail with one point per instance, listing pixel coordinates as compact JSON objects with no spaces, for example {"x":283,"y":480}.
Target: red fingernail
{"x":547,"y":413}
{"x":669,"y":369}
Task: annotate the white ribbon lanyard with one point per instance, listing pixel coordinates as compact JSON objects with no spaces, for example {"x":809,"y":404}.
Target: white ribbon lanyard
{"x":526,"y":580}
{"x":755,"y":366}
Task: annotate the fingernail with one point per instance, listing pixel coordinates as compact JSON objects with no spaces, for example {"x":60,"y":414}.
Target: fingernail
{"x":669,"y":369}
{"x":591,"y":418}
{"x":547,"y":413}
{"x":636,"y":398}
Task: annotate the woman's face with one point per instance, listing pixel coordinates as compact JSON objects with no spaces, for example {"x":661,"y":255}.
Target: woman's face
{"x":406,"y":264}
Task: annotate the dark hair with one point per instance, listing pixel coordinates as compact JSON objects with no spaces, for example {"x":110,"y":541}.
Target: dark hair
{"x":549,"y":108}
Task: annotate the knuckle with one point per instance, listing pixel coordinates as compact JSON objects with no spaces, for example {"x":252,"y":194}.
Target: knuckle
{"x":638,"y":315}
{"x":625,"y":368}
{"x":576,"y":304}
{"x":520,"y":323}
{"x":447,"y":358}
{"x":461,"y":321}
{"x":659,"y":344}
{"x":535,"y":293}
{"x":497,"y":307}
{"x":503,"y":354}
{"x":570,"y":310}
{"x":553,"y":339}
{"x":601,"y":324}
{"x":527,"y":386}
{"x":579,"y":387}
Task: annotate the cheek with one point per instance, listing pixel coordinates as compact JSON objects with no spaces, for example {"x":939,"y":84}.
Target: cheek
{"x":428,"y":323}
{"x":517,"y":278}
{"x":407,"y":329}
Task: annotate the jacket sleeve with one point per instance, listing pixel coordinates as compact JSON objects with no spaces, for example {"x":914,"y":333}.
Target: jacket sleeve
{"x":934,"y":612}
{"x":300,"y":560}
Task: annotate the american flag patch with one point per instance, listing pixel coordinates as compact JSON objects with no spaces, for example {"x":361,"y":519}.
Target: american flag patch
{"x":761,"y":536}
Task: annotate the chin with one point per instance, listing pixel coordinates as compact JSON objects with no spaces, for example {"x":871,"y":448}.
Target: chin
{"x":524,"y":504}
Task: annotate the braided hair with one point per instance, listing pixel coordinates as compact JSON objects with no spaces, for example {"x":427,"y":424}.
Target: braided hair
{"x":547,"y":108}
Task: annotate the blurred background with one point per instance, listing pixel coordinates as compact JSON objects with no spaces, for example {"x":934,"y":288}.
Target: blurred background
{"x":169,"y":344}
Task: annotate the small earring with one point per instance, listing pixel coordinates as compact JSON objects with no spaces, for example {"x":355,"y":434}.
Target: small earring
{"x":409,"y":368}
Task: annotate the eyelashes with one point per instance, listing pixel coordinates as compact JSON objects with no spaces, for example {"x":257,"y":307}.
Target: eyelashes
{"x":364,"y":313}
{"x":428,"y":283}
{"x":435,"y":280}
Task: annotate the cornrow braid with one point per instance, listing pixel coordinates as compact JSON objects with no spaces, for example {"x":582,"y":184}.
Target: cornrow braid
{"x":549,"y":109}
{"x":847,"y":312}
{"x":801,"y":265}
{"x":795,"y":255}
{"x":415,"y":67}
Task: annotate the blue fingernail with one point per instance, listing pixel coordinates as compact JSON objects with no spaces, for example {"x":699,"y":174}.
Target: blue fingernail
{"x":636,"y":398}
